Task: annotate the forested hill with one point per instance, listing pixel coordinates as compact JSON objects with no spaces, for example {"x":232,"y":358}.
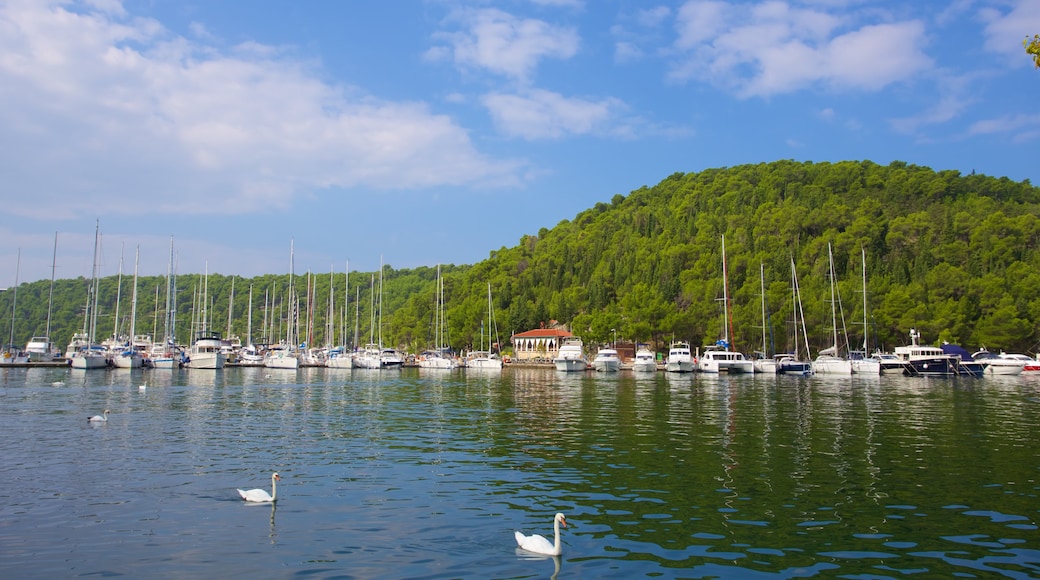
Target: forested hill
{"x":954,"y":256}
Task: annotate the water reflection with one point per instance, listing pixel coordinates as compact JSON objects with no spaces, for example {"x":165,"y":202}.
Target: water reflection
{"x":414,"y":473}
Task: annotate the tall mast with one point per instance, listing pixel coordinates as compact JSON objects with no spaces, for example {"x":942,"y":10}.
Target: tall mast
{"x":834,"y":301}
{"x":230,"y":308}
{"x":249,"y":318}
{"x":762,"y":279}
{"x":727,"y":323}
{"x":119,"y":291}
{"x":863,"y":256}
{"x":94,"y":285}
{"x":14,"y":300}
{"x":133,"y":299}
{"x":50,"y":294}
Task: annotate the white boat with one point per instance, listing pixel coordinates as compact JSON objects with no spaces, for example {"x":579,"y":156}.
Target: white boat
{"x":717,"y":358}
{"x":10,"y":354}
{"x":829,"y":361}
{"x":482,"y":359}
{"x":485,"y":358}
{"x":286,"y":355}
{"x":645,"y":361}
{"x":862,"y":364}
{"x":282,"y":357}
{"x":432,"y":359}
{"x":251,"y":356}
{"x":166,"y":354}
{"x":680,"y":359}
{"x":1030,"y":366}
{"x":206,"y":352}
{"x":764,"y":365}
{"x":762,"y":362}
{"x":438,"y":357}
{"x":996,"y":364}
{"x":41,"y":349}
{"x":389,"y":358}
{"x":337,"y":358}
{"x":570,"y":357}
{"x":368,"y":357}
{"x":82,"y":353}
{"x":90,"y":357}
{"x":607,"y":361}
{"x":792,"y":363}
{"x":129,"y":357}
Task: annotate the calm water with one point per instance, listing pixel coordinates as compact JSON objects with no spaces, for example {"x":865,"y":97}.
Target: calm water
{"x":425,"y":474}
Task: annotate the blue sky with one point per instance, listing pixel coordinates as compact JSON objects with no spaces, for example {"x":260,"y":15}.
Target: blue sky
{"x":437,"y":131}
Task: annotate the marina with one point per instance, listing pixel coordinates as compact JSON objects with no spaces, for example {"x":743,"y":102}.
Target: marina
{"x":427,"y":473}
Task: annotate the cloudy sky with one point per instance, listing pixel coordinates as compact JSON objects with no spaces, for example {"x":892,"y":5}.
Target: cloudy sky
{"x":437,"y":131}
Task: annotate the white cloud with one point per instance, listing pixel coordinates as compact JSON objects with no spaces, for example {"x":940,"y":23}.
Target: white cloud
{"x":504,"y":44}
{"x":540,"y":114}
{"x":1023,"y":127}
{"x":93,"y":103}
{"x":773,"y":48}
{"x":1004,"y":32}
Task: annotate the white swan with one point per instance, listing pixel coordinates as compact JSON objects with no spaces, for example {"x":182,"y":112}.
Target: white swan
{"x":538,"y":544}
{"x":102,"y":418}
{"x":259,"y":495}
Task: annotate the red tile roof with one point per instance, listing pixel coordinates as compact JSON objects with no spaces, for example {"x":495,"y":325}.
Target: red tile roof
{"x":543,"y":333}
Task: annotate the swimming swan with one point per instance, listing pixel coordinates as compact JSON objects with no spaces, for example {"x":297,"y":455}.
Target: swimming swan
{"x":538,"y":544}
{"x":259,"y":495}
{"x":102,"y":418}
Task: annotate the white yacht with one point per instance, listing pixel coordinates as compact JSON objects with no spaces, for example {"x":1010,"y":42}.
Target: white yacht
{"x":998,"y":364}
{"x":570,"y":357}
{"x":645,"y":361}
{"x":482,"y":359}
{"x":338,"y":358}
{"x":206,"y":351}
{"x":41,"y":349}
{"x":680,"y":360}
{"x":282,"y":357}
{"x":607,"y":361}
{"x":717,"y":358}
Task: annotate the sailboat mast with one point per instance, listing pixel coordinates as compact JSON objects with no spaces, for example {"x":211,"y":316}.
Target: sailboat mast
{"x":727,"y":323}
{"x":14,"y":300}
{"x":50,"y":293}
{"x":133,"y":299}
{"x":762,"y":279}
{"x":119,"y":291}
{"x":863,"y":257}
{"x":94,"y":285}
{"x":230,"y":308}
{"x":834,"y":300}
{"x":249,"y":318}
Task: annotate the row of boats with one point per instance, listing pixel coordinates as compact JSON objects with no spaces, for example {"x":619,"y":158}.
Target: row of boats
{"x":210,"y":351}
{"x":915,"y":360}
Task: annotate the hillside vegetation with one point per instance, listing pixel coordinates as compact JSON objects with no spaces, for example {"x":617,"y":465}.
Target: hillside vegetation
{"x":954,"y":256}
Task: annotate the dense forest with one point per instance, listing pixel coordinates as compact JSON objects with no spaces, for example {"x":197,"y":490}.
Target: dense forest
{"x":954,"y":256}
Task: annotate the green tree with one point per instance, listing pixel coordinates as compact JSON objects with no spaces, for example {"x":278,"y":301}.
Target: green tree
{"x":1033,"y":48}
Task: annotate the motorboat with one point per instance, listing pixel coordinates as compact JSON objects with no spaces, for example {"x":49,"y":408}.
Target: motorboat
{"x":482,"y":359}
{"x":921,"y":360}
{"x":607,"y":361}
{"x":570,"y":357}
{"x":206,"y":351}
{"x":717,"y":358}
{"x":995,"y":364}
{"x":645,"y":361}
{"x":680,"y":359}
